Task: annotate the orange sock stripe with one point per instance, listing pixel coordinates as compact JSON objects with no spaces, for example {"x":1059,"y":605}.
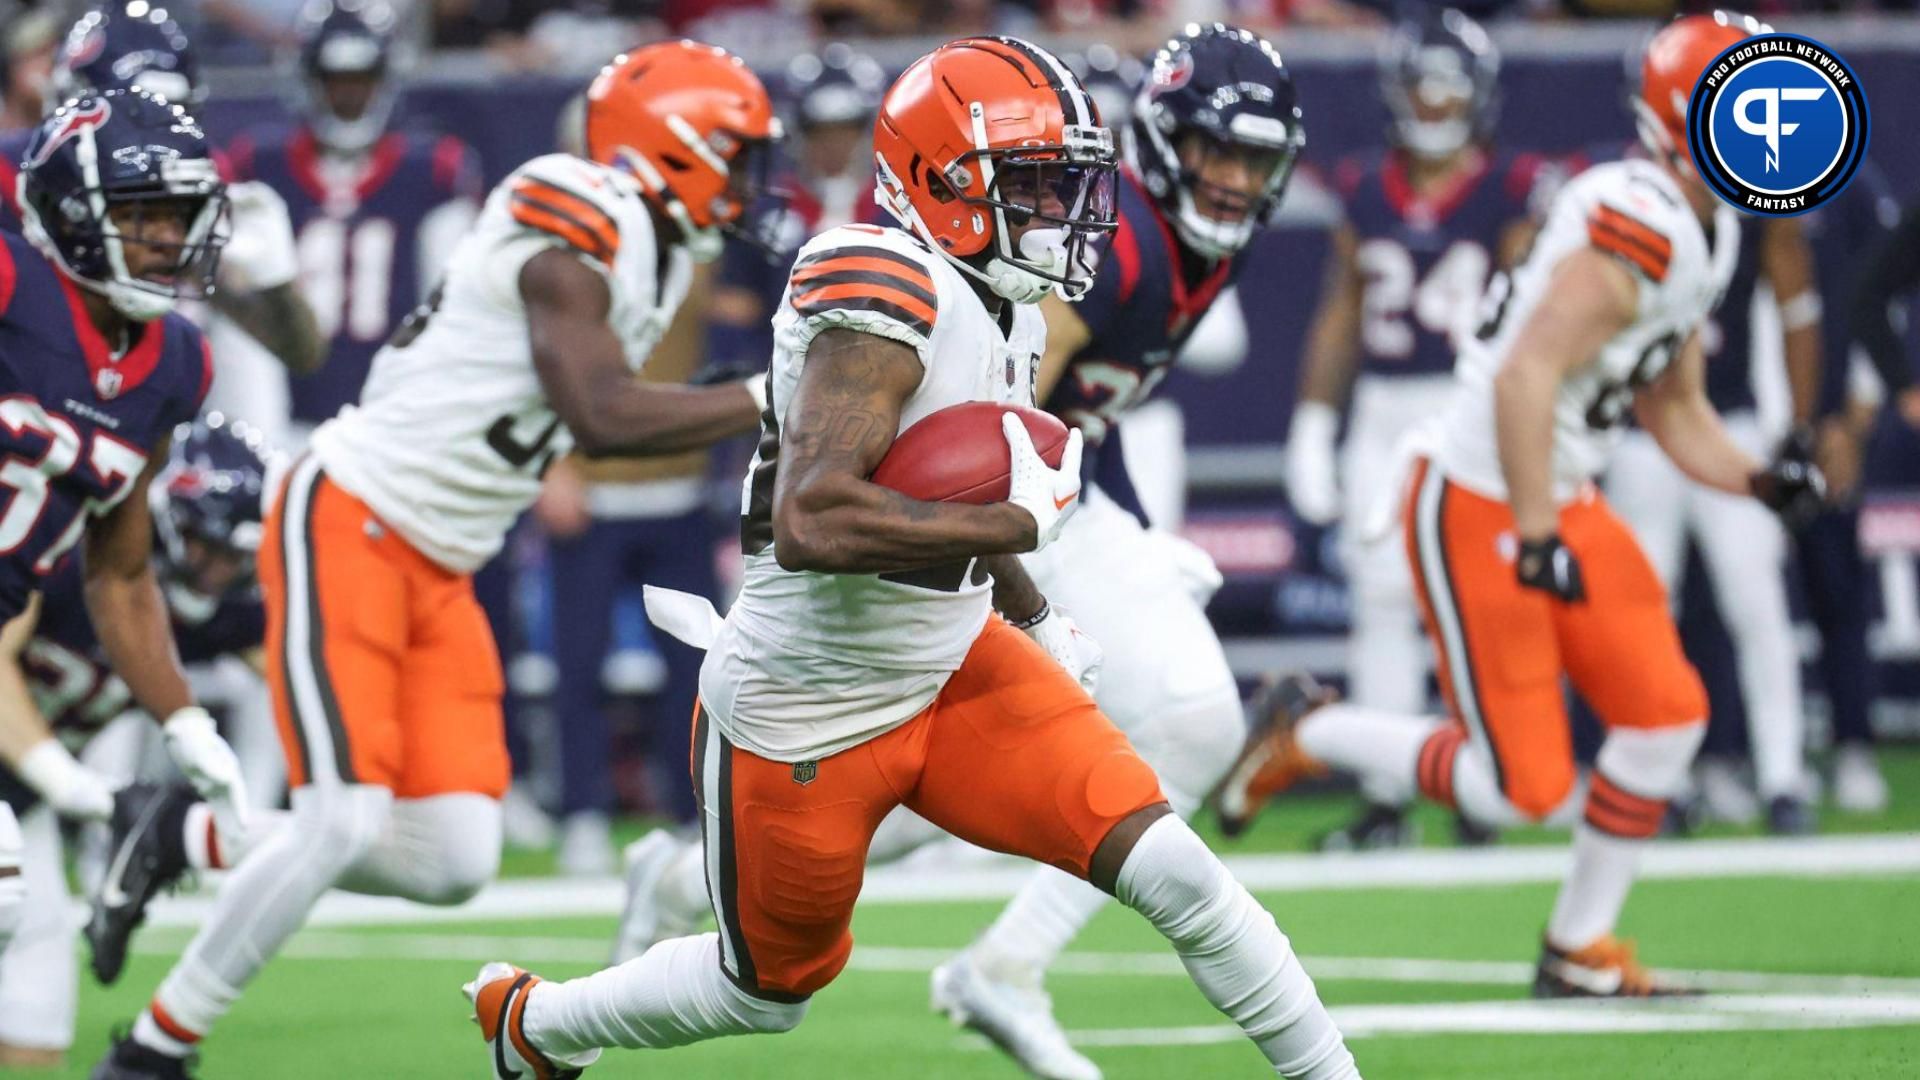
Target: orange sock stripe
{"x":1622,"y":813}
{"x":168,"y":1024}
{"x":1434,"y":769}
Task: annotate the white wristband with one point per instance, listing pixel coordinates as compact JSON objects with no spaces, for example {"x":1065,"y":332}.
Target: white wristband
{"x":49,"y":769}
{"x":757,"y":386}
{"x":1316,"y":422}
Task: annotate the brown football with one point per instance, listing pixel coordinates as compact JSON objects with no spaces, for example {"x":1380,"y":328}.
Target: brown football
{"x":959,"y":454}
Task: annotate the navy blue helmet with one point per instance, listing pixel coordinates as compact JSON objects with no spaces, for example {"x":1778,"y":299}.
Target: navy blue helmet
{"x":1215,"y":92}
{"x":837,"y":85}
{"x":349,"y":43}
{"x":207,"y":502}
{"x":1440,"y":77}
{"x":121,"y":46}
{"x":107,"y":164}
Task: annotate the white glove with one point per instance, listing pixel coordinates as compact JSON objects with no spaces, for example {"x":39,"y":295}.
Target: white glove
{"x":70,"y":788}
{"x":1313,"y":484}
{"x":1050,"y":495}
{"x":205,"y":759}
{"x":1190,"y":561}
{"x":13,"y":883}
{"x":1071,"y":646}
{"x":261,"y":252}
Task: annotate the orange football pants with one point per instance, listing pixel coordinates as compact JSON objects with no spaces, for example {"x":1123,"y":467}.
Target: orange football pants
{"x":1012,"y":756}
{"x":1502,"y":648}
{"x":381,"y":664}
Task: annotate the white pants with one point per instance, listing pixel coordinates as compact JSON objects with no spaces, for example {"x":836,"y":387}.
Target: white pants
{"x":1165,"y":681}
{"x":1743,"y":546}
{"x":39,"y":972}
{"x":1387,"y":654}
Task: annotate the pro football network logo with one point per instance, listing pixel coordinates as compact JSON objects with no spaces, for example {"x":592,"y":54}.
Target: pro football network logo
{"x":1777,"y":124}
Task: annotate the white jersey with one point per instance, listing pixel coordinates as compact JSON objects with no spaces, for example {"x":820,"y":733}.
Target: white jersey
{"x":453,"y":428}
{"x":1631,"y":209}
{"x":809,"y":664}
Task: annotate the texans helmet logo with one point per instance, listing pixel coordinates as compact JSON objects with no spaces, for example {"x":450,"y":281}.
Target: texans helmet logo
{"x":1172,"y":75}
{"x":72,"y":122}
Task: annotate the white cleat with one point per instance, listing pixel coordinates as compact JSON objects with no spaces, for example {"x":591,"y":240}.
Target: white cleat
{"x":1017,"y":1018}
{"x":651,"y":916}
{"x":1858,"y":785}
{"x":499,"y":996}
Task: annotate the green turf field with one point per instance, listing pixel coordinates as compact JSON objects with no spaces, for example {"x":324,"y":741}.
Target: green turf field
{"x":1819,"y":973}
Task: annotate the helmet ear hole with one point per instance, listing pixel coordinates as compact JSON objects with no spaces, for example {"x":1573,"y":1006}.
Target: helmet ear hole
{"x":937,"y":185}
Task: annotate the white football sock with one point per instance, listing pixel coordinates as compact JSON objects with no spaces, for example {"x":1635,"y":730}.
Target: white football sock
{"x":438,"y":850}
{"x":39,"y":971}
{"x":672,"y":995}
{"x":1234,"y":951}
{"x":1050,"y":909}
{"x":1595,"y":889}
{"x":263,"y":903}
{"x":1380,"y":747}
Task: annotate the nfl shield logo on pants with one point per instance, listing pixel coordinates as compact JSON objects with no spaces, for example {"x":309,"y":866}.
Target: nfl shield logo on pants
{"x":805,"y":771}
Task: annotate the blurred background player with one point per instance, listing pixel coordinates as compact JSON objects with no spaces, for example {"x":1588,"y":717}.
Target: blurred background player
{"x":1525,"y":575}
{"x":206,"y":516}
{"x":386,"y":679}
{"x":376,"y":208}
{"x":1426,"y":223}
{"x":29,"y":37}
{"x":1742,"y":545}
{"x":131,"y":44}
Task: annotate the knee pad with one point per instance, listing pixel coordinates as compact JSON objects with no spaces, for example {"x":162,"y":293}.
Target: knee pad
{"x":1209,"y":733}
{"x":340,"y":825}
{"x":1650,"y":762}
{"x":458,"y":841}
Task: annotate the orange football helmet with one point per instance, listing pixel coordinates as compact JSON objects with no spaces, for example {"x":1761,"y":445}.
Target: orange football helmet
{"x":693,"y":124}
{"x":1672,"y":64}
{"x":989,"y":129}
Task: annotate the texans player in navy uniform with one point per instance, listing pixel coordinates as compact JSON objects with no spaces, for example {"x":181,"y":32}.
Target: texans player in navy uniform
{"x":132,"y":44}
{"x":122,"y":206}
{"x":376,"y":209}
{"x":1426,"y":224}
{"x":206,"y":508}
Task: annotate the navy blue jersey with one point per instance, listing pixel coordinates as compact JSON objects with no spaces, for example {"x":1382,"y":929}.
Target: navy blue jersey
{"x":359,"y":240}
{"x":76,"y":423}
{"x":67,"y":670}
{"x":1424,"y":259}
{"x":1726,"y":340}
{"x":1141,"y":310}
{"x":1840,"y":231}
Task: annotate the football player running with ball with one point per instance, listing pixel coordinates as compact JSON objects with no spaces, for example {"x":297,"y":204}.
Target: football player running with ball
{"x":873,"y":658}
{"x":386,"y":683}
{"x":1523,"y":571}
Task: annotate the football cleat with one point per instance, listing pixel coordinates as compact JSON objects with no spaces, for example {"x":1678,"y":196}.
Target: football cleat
{"x":650,"y":915}
{"x":1604,"y":969}
{"x":1015,"y":1016}
{"x":130,"y":1060}
{"x":146,"y":854}
{"x":499,"y":995}
{"x":1790,"y":815}
{"x":1271,"y":761}
{"x":1378,"y":828}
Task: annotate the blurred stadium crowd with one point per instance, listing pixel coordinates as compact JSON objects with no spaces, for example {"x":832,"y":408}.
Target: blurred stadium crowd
{"x":378,"y":189}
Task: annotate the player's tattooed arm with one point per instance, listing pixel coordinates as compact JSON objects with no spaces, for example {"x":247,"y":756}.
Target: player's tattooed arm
{"x":1675,"y":410}
{"x":1590,"y":298}
{"x":582,"y":366}
{"x":281,"y":320}
{"x":124,"y":601}
{"x":826,"y":515}
{"x":1014,"y":593}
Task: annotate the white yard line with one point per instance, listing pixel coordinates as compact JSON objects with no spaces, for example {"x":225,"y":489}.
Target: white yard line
{"x":328,"y":944}
{"x":997,"y":879}
{"x":1775,"y":1012}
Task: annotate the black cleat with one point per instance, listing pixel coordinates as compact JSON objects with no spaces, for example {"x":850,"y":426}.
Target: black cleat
{"x":1470,"y":833}
{"x":146,"y":854}
{"x":129,"y":1060}
{"x":1788,"y":816}
{"x":1378,"y":828}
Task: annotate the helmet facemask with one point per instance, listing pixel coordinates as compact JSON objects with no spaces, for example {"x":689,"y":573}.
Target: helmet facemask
{"x":1266,"y":149}
{"x":1433,"y":110}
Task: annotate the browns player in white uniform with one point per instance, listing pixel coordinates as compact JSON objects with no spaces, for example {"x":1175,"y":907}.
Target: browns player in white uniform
{"x":1523,"y":572}
{"x":385,"y":679}
{"x":875,"y":657}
